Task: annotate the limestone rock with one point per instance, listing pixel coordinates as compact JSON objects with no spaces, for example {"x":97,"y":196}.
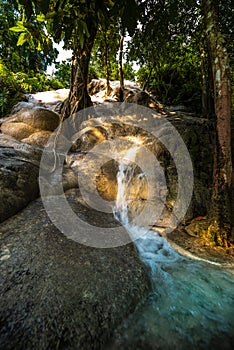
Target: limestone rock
{"x":198,"y":137}
{"x":18,"y":130}
{"x":75,"y":293}
{"x":95,"y":86}
{"x":39,"y":138}
{"x":18,"y":178}
{"x":38,"y":118}
{"x":144,"y":99}
{"x":91,"y":138}
{"x":22,"y":105}
{"x":33,"y":126}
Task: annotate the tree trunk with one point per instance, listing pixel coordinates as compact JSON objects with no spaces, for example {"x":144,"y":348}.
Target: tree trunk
{"x":210,"y":90}
{"x":204,"y":83}
{"x":120,"y":65}
{"x":78,"y":97}
{"x":148,"y":77}
{"x":108,"y":88}
{"x":221,"y":226}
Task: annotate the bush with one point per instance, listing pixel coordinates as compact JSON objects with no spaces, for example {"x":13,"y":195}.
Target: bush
{"x":9,"y":88}
{"x":14,"y":85}
{"x":4,"y":96}
{"x":63,"y":72}
{"x":38,"y":82}
{"x":54,"y":84}
{"x":7,"y":78}
{"x":173,"y":85}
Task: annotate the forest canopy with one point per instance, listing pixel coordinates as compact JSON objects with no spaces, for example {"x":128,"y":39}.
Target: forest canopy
{"x":165,"y":39}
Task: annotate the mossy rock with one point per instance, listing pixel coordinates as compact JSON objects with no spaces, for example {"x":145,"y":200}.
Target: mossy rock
{"x":210,"y":231}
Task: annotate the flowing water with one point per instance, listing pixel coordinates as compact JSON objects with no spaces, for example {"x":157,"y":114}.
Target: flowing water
{"x":191,"y":305}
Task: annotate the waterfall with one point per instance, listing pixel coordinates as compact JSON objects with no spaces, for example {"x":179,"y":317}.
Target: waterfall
{"x":124,"y":178}
{"x":151,"y":246}
{"x":191,"y":303}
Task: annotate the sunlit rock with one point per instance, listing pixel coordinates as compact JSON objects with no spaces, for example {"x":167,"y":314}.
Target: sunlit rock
{"x":31,"y":121}
{"x":39,"y":138}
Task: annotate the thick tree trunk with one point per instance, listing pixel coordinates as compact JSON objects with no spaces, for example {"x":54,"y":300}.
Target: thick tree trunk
{"x":221,"y":226}
{"x":78,"y":97}
{"x":120,"y":66}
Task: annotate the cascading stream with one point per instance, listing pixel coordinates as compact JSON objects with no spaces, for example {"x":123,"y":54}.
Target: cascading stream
{"x":192,"y":302}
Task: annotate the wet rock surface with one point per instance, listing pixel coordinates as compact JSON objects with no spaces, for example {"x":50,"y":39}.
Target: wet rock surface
{"x":197,"y":134}
{"x":200,"y":247}
{"x":59,"y":294}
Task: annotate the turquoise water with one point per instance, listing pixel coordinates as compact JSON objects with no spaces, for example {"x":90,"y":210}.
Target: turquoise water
{"x":191,"y":305}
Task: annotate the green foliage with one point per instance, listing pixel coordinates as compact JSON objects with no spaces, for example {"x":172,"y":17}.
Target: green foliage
{"x":63,"y":72}
{"x":76,"y":16}
{"x":128,"y":72}
{"x":175,"y":78}
{"x":8,"y":89}
{"x":4,"y":97}
{"x":92,"y":73}
{"x":7,"y":79}
{"x":14,"y":85}
{"x":99,"y":72}
{"x":31,"y":83}
{"x":24,"y":57}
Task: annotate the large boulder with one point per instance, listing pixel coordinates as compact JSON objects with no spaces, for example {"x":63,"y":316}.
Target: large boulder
{"x":18,"y":130}
{"x":19,"y":167}
{"x":39,"y":138}
{"x":144,"y":99}
{"x":95,"y":86}
{"x":58,"y":294}
{"x":197,"y":134}
{"x":28,"y":121}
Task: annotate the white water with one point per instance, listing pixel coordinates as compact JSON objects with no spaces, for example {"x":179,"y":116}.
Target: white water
{"x":191,"y":305}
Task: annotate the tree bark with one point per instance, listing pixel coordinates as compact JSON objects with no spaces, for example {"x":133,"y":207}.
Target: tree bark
{"x":78,"y":97}
{"x":120,"y":65}
{"x":207,"y":81}
{"x":221,"y":213}
{"x":108,"y":88}
{"x":204,"y":83}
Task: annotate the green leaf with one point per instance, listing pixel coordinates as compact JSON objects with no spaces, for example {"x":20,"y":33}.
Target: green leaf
{"x":39,"y":46}
{"x":84,"y":28}
{"x":22,"y":39}
{"x":41,"y":18}
{"x":18,"y":29}
{"x":81,"y":40}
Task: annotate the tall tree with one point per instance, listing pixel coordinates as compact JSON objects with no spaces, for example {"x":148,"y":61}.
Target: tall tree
{"x":120,"y":64}
{"x":105,"y":49}
{"x":221,"y":226}
{"x":75,"y":22}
